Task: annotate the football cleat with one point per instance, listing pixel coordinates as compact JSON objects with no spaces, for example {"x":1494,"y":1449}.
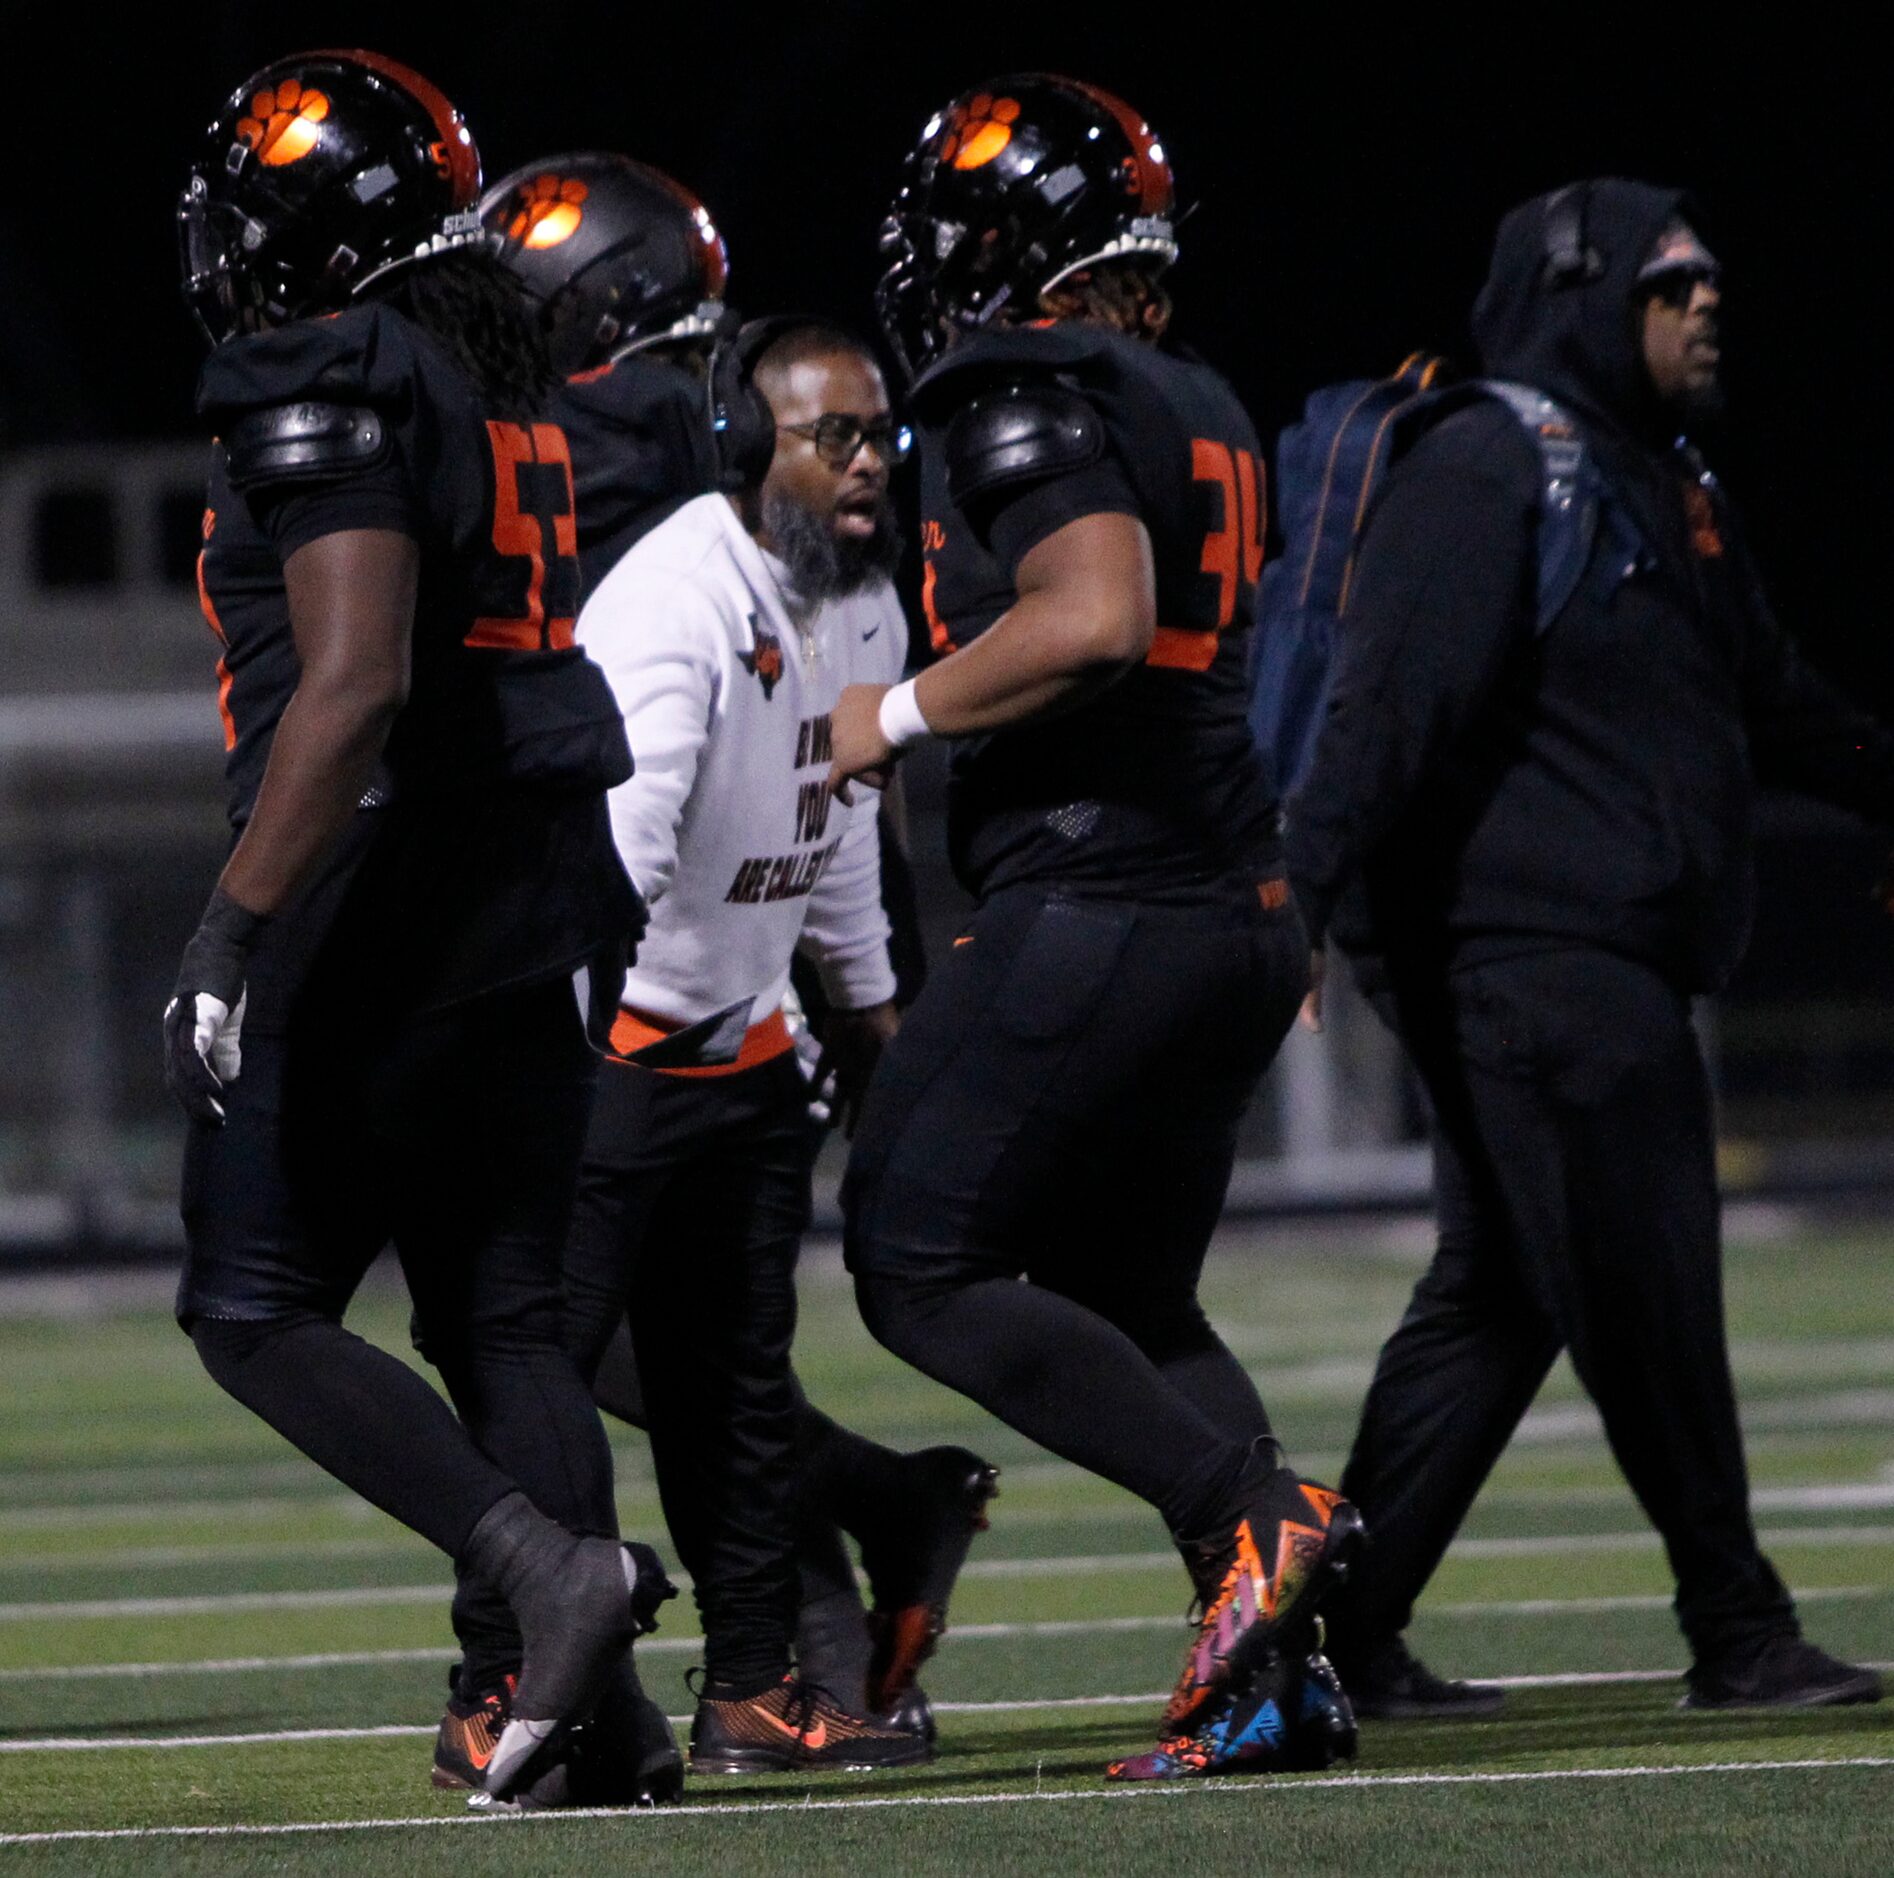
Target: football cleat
{"x":1293,"y":1718}
{"x":911,"y":1565}
{"x":469,"y":1732}
{"x":795,"y":1727}
{"x":579,"y":1602}
{"x":1260,"y":1583}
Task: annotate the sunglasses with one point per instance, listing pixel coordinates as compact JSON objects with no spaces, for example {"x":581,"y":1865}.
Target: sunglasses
{"x":1675,"y":285}
{"x":838,"y":437}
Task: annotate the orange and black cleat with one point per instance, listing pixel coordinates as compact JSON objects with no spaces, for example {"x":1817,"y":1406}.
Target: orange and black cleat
{"x":1260,"y":1582}
{"x":795,"y":1727}
{"x":470,"y":1730}
{"x":912,"y":1565}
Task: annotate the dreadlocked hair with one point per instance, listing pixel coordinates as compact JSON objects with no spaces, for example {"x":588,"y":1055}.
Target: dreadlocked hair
{"x":1127,"y":296}
{"x":477,"y":311}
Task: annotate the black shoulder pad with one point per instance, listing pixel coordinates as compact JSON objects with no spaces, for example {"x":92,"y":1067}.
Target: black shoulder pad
{"x":302,"y":443}
{"x":1020,"y":434}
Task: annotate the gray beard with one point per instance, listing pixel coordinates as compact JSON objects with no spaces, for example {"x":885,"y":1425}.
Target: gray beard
{"x":821,"y":565}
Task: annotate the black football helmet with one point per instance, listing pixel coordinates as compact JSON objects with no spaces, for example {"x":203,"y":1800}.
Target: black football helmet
{"x":622,"y":256}
{"x":323,"y":172}
{"x":1017,"y":184}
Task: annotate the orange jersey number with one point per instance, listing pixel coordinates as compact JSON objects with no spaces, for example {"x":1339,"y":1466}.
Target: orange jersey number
{"x":527,"y":526}
{"x":1232,"y":551}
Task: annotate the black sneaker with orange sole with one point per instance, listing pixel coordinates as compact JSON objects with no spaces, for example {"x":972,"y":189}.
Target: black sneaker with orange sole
{"x":795,"y":1727}
{"x":912,"y":1562}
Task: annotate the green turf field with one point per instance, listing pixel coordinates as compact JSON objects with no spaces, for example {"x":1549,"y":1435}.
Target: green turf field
{"x":197,"y":1629}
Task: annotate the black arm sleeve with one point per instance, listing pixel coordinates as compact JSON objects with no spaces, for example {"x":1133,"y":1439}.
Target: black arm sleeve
{"x":1013,"y":523}
{"x":295,"y":514}
{"x":1441,"y":594}
{"x":1804,"y":732}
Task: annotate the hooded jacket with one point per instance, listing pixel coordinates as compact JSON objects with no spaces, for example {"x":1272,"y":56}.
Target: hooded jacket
{"x":1494,"y":787}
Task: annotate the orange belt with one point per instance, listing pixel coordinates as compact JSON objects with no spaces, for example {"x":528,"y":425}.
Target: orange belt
{"x":762,"y":1043}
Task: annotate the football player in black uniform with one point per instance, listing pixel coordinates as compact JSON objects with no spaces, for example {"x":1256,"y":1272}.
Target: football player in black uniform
{"x":629,"y":271}
{"x":1062,"y":1102}
{"x":375,"y":1030}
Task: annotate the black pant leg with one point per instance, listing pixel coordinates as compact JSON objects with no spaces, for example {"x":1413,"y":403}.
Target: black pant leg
{"x":616,"y":1386}
{"x":1033,"y":1038}
{"x":1449,"y":1389}
{"x":284,"y":1208}
{"x":483,"y":1245}
{"x":711,"y":1282}
{"x":1590,"y":1096}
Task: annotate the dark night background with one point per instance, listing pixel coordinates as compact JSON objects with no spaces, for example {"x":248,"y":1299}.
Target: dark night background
{"x":1346,"y":173}
{"x":1347,"y":176}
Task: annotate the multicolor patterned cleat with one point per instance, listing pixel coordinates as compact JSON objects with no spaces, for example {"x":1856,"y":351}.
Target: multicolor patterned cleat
{"x":1293,"y":1718}
{"x":1270,"y":1572}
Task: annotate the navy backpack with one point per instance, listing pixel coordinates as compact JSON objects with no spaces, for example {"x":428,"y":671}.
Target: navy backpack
{"x":1328,"y":468}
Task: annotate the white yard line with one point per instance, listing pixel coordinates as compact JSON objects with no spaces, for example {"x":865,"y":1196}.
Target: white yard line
{"x":80,"y":1744}
{"x":958,"y":1633}
{"x":1078,"y":1565}
{"x":1841,"y":1497}
{"x":1255,"y":1789}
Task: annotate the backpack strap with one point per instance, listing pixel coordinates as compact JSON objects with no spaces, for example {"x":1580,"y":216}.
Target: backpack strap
{"x":1574,"y":502}
{"x":1358,"y":474}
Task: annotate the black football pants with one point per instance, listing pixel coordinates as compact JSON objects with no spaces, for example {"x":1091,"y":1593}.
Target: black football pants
{"x":1576,"y":1186}
{"x":1061,"y":1105}
{"x":691,"y":1208}
{"x":456,"y":1136}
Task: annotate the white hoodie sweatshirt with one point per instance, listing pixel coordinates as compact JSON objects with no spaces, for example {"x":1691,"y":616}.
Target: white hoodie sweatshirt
{"x":728,"y":828}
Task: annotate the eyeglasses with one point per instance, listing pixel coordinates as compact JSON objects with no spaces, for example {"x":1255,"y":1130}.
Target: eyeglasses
{"x":838,"y":437}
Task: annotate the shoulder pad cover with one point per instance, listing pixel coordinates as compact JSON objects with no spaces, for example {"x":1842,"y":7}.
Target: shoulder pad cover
{"x":303,"y":442}
{"x":1020,"y":434}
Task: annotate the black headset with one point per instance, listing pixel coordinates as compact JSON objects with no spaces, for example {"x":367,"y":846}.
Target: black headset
{"x":741,"y":423}
{"x":1570,"y":259}
{"x":742,"y":427}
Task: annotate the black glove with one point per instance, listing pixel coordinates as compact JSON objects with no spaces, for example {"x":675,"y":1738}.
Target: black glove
{"x":204,"y":1019}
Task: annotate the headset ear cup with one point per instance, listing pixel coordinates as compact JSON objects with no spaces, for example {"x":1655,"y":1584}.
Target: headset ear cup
{"x":741,"y":422}
{"x":1570,"y":259}
{"x":740,"y":418}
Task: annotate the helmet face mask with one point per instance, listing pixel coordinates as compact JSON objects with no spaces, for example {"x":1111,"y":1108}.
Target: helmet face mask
{"x":622,"y":257}
{"x":1017,"y":185}
{"x":322,"y":174}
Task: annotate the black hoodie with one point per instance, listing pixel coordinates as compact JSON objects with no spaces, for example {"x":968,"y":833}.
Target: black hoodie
{"x":1495,"y":787}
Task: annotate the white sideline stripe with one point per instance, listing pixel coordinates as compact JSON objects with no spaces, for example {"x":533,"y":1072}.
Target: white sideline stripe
{"x":1080,"y":1565}
{"x":653,"y":1818}
{"x":958,"y":1633}
{"x":79,"y":1744}
{"x":1844,"y":1497}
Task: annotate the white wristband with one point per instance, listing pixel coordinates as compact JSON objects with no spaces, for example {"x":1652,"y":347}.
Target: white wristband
{"x":900,"y":716}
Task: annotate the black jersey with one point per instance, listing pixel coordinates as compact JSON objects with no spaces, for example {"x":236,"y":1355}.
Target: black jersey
{"x":482,"y":855}
{"x":1151,"y":788}
{"x":642,"y":447}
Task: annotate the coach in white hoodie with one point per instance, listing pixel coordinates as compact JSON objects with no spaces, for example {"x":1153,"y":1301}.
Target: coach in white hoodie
{"x":727,"y":634}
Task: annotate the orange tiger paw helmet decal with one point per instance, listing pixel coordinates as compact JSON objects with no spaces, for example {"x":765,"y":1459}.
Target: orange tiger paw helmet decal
{"x":979,"y":130}
{"x":284,"y":122}
{"x":548,"y":211}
